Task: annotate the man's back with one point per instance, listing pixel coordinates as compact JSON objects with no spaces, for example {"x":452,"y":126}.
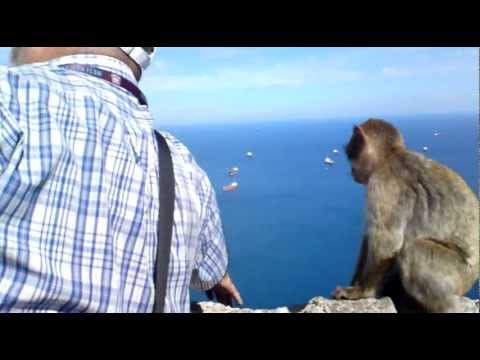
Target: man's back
{"x":79,"y":204}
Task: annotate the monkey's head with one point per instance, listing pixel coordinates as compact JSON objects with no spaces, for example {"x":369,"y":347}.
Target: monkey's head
{"x":370,"y":146}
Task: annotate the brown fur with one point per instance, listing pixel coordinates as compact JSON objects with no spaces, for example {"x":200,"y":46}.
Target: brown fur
{"x":421,"y":243}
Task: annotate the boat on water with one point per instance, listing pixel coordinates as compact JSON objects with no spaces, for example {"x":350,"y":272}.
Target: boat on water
{"x":233,"y":171}
{"x":328,"y":161}
{"x":335,"y":151}
{"x":425,"y":148}
{"x":230,"y":187}
{"x":249,"y":154}
{"x":436,"y":133}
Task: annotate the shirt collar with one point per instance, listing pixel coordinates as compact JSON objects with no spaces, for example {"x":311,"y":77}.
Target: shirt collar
{"x":103,"y":62}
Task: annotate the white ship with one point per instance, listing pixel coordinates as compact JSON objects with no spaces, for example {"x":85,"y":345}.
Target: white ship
{"x":328,"y":161}
{"x":233,"y":171}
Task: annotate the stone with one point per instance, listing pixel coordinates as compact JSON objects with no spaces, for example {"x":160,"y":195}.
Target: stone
{"x":324,"y":305}
{"x":470,"y":306}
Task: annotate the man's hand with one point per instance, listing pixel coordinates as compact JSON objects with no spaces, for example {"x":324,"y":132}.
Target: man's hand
{"x":225,"y":291}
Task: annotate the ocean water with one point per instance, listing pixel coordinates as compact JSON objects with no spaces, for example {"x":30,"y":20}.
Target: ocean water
{"x":294,"y":225}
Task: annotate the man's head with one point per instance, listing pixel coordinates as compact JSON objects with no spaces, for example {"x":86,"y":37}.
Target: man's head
{"x":28,"y":55}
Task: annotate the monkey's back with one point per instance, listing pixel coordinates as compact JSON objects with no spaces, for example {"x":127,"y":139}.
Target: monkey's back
{"x":439,"y":203}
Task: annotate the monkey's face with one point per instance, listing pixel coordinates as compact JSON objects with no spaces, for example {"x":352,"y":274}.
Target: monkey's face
{"x":357,"y":174}
{"x":362,"y":169}
{"x":361,"y":156}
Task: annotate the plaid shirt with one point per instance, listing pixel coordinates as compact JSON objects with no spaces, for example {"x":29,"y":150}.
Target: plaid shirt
{"x":79,"y":197}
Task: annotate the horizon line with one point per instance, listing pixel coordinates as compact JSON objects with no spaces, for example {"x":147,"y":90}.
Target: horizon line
{"x":307,"y":119}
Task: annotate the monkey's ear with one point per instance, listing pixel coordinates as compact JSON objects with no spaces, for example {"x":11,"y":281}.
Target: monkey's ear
{"x":360,"y":135}
{"x":357,"y":143}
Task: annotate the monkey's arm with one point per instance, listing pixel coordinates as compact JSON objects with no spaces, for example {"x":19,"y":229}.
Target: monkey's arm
{"x":385,"y":226}
{"x":360,"y":262}
{"x":375,"y":273}
{"x":382,"y":241}
{"x":377,"y":258}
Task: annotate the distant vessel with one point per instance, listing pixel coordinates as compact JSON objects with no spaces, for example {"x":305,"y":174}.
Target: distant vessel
{"x":249,"y":154}
{"x":233,"y":171}
{"x":425,"y":148}
{"x":328,"y":161}
{"x":436,"y":134}
{"x":335,"y":151}
{"x":231,"y":187}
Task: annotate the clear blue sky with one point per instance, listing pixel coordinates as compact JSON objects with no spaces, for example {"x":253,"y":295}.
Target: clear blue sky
{"x":249,"y":84}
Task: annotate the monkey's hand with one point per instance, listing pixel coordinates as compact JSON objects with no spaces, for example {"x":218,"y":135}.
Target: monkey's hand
{"x":349,"y":293}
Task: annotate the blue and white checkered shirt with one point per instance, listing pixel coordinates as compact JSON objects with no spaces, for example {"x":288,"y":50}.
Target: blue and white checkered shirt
{"x":79,"y":197}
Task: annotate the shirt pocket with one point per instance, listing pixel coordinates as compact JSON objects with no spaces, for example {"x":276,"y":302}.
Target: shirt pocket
{"x":11,"y":154}
{"x":11,"y":140}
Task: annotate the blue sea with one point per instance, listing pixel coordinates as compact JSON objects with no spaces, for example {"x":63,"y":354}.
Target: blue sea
{"x":293,"y":226}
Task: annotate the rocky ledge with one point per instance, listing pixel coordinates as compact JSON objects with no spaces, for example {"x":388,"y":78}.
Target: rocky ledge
{"x":323,"y":305}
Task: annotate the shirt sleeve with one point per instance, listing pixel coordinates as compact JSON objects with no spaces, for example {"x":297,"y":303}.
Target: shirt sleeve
{"x":212,"y":258}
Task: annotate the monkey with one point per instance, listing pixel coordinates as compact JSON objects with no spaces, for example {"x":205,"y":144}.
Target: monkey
{"x":421,"y":240}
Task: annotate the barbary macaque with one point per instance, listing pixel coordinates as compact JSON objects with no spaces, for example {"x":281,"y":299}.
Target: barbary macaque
{"x":421,"y":240}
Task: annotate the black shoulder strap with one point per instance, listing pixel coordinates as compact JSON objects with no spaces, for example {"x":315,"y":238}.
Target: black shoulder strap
{"x":165,"y":221}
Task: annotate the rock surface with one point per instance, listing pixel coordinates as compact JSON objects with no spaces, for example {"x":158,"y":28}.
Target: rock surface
{"x":323,"y":305}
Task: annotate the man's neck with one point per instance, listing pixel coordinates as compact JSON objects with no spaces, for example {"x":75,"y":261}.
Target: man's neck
{"x":42,"y":54}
